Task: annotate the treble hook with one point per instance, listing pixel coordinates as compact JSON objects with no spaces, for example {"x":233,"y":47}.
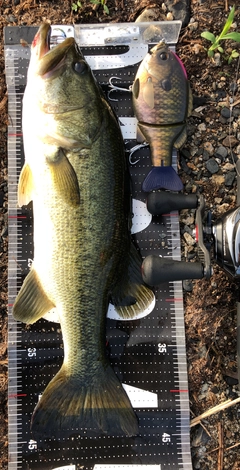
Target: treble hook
{"x":117,"y":88}
{"x":133,"y":150}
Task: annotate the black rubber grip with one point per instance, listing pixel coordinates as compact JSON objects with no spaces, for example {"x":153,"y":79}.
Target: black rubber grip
{"x":156,"y":270}
{"x":163,"y":202}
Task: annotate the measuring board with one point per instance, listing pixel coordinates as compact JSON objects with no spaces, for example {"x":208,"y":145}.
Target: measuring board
{"x":148,"y":354}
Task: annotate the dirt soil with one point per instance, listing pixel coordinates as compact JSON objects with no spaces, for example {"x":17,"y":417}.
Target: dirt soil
{"x":210,"y":306}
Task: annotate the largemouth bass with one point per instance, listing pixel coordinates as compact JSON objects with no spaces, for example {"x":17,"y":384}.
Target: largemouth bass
{"x":75,"y":172}
{"x":162,"y":101}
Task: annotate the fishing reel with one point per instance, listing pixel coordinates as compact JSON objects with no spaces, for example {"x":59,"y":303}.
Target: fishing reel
{"x":220,"y":239}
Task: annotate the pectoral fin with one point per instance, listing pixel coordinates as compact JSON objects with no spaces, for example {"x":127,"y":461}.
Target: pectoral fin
{"x":148,"y":93}
{"x":25,"y":185}
{"x":32,"y":302}
{"x":131,"y":296}
{"x":64,"y":178}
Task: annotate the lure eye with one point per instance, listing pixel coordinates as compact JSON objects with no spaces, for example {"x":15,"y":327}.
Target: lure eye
{"x":80,"y":67}
{"x":163,"y":56}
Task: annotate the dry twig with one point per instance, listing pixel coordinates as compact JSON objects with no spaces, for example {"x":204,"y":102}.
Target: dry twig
{"x":220,"y":449}
{"x":223,"y":406}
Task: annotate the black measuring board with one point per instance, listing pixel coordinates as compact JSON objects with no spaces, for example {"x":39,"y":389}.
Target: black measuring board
{"x":147,"y":354}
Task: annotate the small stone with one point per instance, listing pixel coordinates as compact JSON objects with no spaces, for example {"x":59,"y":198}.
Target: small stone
{"x":230,"y":380}
{"x":4,"y":232}
{"x":214,"y":86}
{"x":184,"y":165}
{"x":205,"y":155}
{"x":228,"y":167}
{"x":187,"y":230}
{"x":226,"y":113}
{"x":238,"y":150}
{"x":189,"y":220}
{"x":234,"y":25}
{"x":202,"y":127}
{"x":169,"y":16}
{"x":197,"y":437}
{"x":223,"y":208}
{"x":189,"y":239}
{"x":236,"y":112}
{"x":11,"y":19}
{"x":222,"y":120}
{"x":230,"y":141}
{"x":221,"y":152}
{"x":217,"y":59}
{"x":193,"y":26}
{"x":221,"y":94}
{"x":233,"y":87}
{"x":212,"y":166}
{"x":187,"y":285}
{"x":197,"y":48}
{"x":229,"y":178}
{"x":209,"y":147}
{"x":149,"y":14}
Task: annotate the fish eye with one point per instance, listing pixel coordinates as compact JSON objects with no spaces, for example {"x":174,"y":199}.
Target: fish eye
{"x":163,"y":56}
{"x":80,"y":67}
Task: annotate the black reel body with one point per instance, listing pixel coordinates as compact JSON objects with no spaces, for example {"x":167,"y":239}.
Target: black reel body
{"x":226,"y":234}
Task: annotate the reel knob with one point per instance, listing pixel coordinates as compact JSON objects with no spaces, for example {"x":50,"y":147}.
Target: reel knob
{"x":163,"y":202}
{"x":156,"y":270}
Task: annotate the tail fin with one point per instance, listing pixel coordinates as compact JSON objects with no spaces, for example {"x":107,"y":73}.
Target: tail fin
{"x":162,"y":177}
{"x":93,"y":405}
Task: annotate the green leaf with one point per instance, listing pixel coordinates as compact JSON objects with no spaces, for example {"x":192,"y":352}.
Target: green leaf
{"x":233,"y":35}
{"x":220,"y":49}
{"x":210,"y":53}
{"x":235,"y":54}
{"x":209,"y":36}
{"x":228,"y":22}
{"x":106,"y":9}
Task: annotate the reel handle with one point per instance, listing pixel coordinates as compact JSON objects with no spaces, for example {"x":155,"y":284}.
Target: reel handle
{"x":162,"y":202}
{"x":156,"y":270}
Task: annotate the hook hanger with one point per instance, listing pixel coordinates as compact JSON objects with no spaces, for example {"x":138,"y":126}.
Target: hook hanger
{"x":116,"y":88}
{"x":135,"y":149}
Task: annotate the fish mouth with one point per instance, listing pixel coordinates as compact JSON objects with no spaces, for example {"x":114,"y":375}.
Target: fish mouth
{"x":49,"y":60}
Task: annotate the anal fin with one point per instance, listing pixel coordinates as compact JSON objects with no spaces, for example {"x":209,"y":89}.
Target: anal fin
{"x":31,"y":302}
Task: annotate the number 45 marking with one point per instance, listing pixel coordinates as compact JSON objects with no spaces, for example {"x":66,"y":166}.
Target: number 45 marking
{"x":166,"y":437}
